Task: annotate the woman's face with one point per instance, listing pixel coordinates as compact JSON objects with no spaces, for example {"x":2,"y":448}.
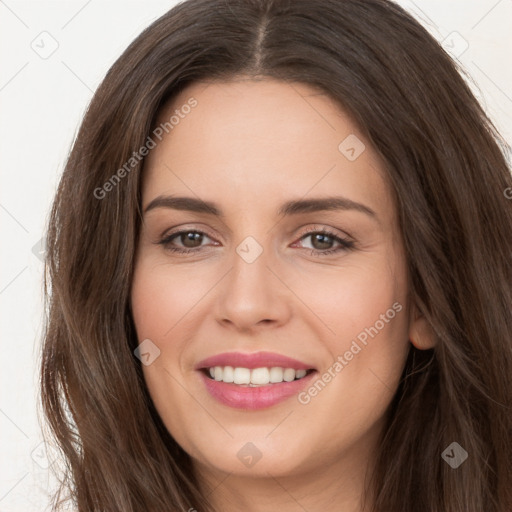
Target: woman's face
{"x":256,"y":160}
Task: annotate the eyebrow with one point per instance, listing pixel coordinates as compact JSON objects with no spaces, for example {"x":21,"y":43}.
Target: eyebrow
{"x":294,"y":207}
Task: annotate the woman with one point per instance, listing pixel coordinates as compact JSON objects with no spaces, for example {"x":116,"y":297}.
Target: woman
{"x":279,"y":271}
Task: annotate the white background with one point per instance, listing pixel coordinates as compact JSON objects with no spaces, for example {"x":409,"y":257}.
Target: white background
{"x":42,"y":102}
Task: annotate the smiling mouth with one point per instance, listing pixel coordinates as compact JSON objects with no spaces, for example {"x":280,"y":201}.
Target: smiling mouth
{"x":255,"y":377}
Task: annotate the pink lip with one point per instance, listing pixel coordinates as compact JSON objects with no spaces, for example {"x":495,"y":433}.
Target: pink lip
{"x":255,"y":360}
{"x":253,"y":398}
{"x":247,"y":397}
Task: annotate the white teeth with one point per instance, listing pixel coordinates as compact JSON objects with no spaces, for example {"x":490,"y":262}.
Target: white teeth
{"x":240,"y":375}
{"x":289,"y":375}
{"x":255,"y":377}
{"x":300,"y":373}
{"x":276,"y":374}
{"x":260,"y":376}
{"x":229,"y":374}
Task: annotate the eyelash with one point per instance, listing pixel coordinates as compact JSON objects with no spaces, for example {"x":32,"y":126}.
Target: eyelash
{"x":345,"y":243}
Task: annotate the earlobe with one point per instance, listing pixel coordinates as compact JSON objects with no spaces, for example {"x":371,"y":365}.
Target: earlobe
{"x":420,"y":332}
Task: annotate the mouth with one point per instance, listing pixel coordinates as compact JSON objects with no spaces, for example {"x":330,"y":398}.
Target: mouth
{"x":253,"y":381}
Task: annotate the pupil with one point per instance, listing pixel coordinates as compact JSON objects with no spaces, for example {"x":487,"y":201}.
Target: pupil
{"x":190,"y":238}
{"x":322,"y":239}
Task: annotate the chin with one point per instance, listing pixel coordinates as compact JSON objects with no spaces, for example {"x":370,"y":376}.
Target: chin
{"x":254,"y":456}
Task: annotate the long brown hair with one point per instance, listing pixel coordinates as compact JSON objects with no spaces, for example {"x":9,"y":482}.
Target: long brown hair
{"x":447,"y":166}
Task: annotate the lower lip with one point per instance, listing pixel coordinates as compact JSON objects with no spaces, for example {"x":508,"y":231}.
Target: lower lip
{"x":252,"y":398}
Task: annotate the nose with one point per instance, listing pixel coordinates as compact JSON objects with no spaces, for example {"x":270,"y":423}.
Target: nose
{"x":252,"y":296}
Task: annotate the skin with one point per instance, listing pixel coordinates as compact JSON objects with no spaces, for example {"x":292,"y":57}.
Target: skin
{"x":249,"y":146}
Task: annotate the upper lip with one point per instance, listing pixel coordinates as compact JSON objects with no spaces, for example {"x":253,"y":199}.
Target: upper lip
{"x":254,"y":360}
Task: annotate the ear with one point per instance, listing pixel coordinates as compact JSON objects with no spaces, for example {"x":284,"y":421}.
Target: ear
{"x":421,"y":334}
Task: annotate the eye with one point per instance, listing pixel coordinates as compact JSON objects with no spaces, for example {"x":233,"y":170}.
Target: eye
{"x":190,"y":239}
{"x":323,"y":240}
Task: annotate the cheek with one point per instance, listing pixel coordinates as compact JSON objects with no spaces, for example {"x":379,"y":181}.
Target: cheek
{"x":350,"y":298}
{"x":162,"y":295}
{"x":365,"y":309}
{"x":163,"y":301}
{"x":368,"y":356}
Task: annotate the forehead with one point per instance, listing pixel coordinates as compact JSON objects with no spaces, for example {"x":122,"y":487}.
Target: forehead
{"x":261,"y":141}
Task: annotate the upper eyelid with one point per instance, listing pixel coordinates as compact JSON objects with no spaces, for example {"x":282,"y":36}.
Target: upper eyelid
{"x":171,"y":233}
